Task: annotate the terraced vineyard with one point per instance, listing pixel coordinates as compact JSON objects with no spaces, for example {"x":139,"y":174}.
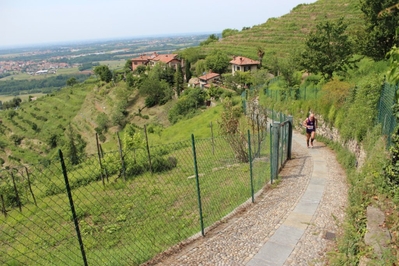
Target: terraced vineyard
{"x":281,"y":36}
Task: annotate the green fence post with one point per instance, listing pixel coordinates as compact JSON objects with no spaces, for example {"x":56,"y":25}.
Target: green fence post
{"x":75,"y":217}
{"x":275,"y":147}
{"x":271,"y":153}
{"x":282,"y":134}
{"x":99,"y":159}
{"x":290,"y":129}
{"x":198,"y":184}
{"x":250,"y":166}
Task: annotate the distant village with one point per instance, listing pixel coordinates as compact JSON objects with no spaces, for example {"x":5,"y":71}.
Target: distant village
{"x":31,"y":67}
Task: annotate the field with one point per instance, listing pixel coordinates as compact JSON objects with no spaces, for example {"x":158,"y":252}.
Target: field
{"x":24,"y":97}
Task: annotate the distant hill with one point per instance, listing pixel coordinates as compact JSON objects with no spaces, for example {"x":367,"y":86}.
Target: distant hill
{"x":281,"y":36}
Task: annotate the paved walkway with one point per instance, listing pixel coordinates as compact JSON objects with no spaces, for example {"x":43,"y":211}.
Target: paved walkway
{"x":291,"y":224}
{"x":279,"y":247}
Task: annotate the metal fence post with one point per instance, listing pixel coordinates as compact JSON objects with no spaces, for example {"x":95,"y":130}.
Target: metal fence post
{"x":121,"y":156}
{"x":250,"y":166}
{"x":198,"y":184}
{"x":290,"y":129}
{"x":75,"y":217}
{"x":99,"y":160}
{"x":275,"y":148}
{"x":271,"y":153}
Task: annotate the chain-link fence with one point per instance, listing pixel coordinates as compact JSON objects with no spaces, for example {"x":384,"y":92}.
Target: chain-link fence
{"x":386,"y":114}
{"x":125,"y":207}
{"x":292,"y":94}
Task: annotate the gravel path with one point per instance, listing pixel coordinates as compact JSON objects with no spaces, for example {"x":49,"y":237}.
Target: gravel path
{"x":239,"y":238}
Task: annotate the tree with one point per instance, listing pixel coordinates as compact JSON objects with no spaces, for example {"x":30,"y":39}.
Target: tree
{"x":243,"y":78}
{"x":128,"y":66}
{"x":130,"y":81}
{"x":211,"y":38}
{"x":187,"y":70}
{"x":192,"y":54}
{"x":140,"y":69}
{"x":102,"y":122}
{"x":103,"y":72}
{"x":328,"y":49}
{"x":75,"y":146}
{"x":71,"y":82}
{"x":156,"y":89}
{"x":217,"y":61}
{"x":288,"y":69}
{"x":200,"y":67}
{"x":178,"y":78}
{"x":381,"y":19}
{"x":229,"y":126}
{"x":261,"y":54}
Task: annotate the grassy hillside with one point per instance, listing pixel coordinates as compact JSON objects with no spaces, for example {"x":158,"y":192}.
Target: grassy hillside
{"x":283,"y":35}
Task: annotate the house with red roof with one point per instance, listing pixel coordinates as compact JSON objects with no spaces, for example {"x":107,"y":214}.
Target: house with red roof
{"x":206,"y":80}
{"x":241,"y":63}
{"x":169,"y":59}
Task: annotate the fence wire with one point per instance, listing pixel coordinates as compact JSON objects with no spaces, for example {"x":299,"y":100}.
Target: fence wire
{"x":386,"y":116}
{"x":128,"y":205}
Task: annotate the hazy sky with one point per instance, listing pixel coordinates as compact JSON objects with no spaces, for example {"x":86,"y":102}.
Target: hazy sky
{"x":25,"y":22}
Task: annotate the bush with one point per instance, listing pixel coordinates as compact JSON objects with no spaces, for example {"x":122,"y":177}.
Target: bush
{"x":160,"y":164}
{"x":135,"y":169}
{"x":150,"y":101}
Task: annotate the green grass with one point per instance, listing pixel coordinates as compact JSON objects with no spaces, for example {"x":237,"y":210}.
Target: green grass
{"x":24,"y":97}
{"x":280,"y":37}
{"x":199,"y":125}
{"x":114,"y":64}
{"x":126,"y":223}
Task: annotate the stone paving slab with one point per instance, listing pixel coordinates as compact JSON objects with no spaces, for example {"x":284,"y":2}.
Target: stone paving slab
{"x":297,"y":209}
{"x":279,"y":247}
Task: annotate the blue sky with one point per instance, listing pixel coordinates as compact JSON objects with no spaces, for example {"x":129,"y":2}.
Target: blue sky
{"x":27,"y":22}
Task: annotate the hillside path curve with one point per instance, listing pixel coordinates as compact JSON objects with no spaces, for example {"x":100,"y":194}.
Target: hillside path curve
{"x":294,"y":223}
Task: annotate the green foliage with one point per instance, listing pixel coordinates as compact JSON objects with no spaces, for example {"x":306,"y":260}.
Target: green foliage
{"x":16,"y":139}
{"x":229,"y":32}
{"x":192,"y":54}
{"x":103,"y":72}
{"x":178,"y":80}
{"x":229,"y":126}
{"x":191,"y":99}
{"x":86,"y":66}
{"x":187,"y":70}
{"x":157,"y":86}
{"x":45,"y":85}
{"x":217,"y":61}
{"x":15,"y":102}
{"x":211,"y":38}
{"x":361,"y":114}
{"x":381,"y":20}
{"x":128,"y":66}
{"x":71,"y":82}
{"x":200,"y":67}
{"x":328,"y":49}
{"x":74,"y":147}
{"x":393,"y":73}
{"x":102,"y":122}
{"x":141,"y":69}
{"x":333,"y":95}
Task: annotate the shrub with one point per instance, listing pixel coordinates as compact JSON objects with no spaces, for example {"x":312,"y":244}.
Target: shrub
{"x":135,"y":169}
{"x":160,"y":164}
{"x":150,"y":101}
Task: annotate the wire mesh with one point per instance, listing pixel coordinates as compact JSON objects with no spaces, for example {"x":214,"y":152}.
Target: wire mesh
{"x":386,"y":115}
{"x":130,"y":204}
